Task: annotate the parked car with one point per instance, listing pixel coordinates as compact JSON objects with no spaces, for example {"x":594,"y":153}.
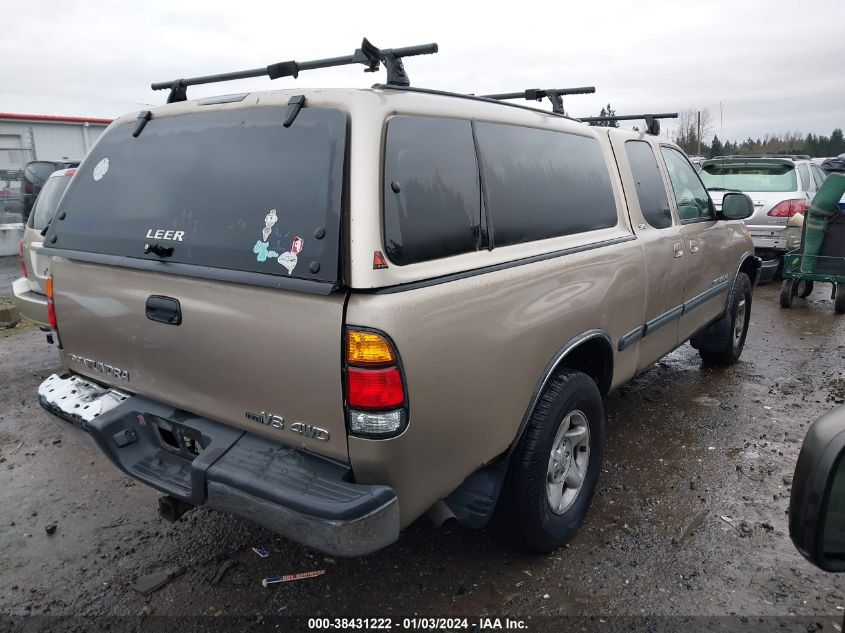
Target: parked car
{"x":332,"y":347}
{"x":817,"y":501}
{"x":780,"y":186}
{"x":29,"y":291}
{"x":34,"y":175}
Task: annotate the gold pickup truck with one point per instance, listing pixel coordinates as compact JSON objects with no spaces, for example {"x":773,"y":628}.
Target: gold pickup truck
{"x":395,"y":301}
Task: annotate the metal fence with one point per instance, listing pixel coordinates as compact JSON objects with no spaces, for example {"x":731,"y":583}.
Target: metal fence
{"x":12,"y":162}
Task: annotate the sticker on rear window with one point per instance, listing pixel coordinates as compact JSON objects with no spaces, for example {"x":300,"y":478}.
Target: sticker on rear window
{"x":288,"y":260}
{"x":101,"y":168}
{"x":269,"y":220}
{"x":263,"y":252}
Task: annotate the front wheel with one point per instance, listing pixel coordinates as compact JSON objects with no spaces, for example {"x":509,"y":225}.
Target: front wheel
{"x":722,"y":342}
{"x":805,"y":288}
{"x":555,"y":469}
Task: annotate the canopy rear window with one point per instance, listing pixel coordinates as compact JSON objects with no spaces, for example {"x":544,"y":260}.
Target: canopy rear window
{"x":230,"y":189}
{"x":755,"y":177}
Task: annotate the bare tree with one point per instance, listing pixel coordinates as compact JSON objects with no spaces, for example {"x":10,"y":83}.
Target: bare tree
{"x":693,"y":127}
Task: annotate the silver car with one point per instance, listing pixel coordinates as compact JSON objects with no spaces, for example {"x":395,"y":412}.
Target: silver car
{"x":29,"y":291}
{"x":781,"y":188}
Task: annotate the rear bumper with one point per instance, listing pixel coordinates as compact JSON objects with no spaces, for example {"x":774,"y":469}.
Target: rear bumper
{"x":768,"y":269}
{"x":304,"y":497}
{"x":30,"y":305}
{"x":787,"y":239}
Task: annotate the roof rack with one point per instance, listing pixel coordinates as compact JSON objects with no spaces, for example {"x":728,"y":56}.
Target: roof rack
{"x":651,"y":120}
{"x":538,"y":94}
{"x":368,"y":55}
{"x":789,"y":156}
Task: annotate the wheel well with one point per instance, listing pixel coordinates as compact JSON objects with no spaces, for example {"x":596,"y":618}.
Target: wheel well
{"x":750,"y":267}
{"x":594,"y":357}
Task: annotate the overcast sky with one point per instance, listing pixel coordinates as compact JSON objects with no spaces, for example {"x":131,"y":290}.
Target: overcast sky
{"x":775,"y":65}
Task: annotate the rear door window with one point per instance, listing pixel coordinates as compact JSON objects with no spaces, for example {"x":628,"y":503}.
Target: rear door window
{"x":651,"y":192}
{"x":432,"y":196}
{"x":230,"y":189}
{"x":540,"y":184}
{"x":690,"y":195}
{"x":807,"y":183}
{"x":818,"y":174}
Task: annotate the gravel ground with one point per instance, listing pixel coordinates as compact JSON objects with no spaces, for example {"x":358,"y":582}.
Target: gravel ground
{"x":690,"y":518}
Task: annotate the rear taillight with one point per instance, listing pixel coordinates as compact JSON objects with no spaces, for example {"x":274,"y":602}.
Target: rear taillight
{"x":23,"y":262}
{"x":788,"y":208}
{"x":51,"y":309}
{"x":377,"y":404}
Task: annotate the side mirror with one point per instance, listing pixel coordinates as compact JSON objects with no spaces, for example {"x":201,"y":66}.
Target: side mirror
{"x":737,"y":206}
{"x":817,"y":503}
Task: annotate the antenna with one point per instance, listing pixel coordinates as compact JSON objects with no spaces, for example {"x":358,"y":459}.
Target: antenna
{"x":651,"y":120}
{"x":368,"y":55}
{"x":538,"y":94}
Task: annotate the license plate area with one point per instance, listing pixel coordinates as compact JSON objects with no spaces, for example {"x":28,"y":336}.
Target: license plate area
{"x":77,"y":399}
{"x":177,"y":438}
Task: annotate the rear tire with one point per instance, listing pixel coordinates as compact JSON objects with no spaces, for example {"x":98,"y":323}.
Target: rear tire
{"x":786,"y":294}
{"x":839,"y":302}
{"x":557,"y":463}
{"x":805,"y":288}
{"x":722,"y":342}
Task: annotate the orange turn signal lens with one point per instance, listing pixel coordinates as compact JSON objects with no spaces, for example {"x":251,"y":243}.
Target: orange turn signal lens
{"x":368,"y":348}
{"x":50,"y":287}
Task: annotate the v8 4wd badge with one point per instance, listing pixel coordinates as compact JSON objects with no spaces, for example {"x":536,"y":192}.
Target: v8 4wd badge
{"x":300,"y":428}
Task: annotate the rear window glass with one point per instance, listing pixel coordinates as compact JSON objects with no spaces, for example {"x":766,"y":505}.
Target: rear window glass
{"x":45,"y":204}
{"x":651,"y":192}
{"x":229,"y":189}
{"x":754,"y":177}
{"x":432,"y":205}
{"x":540,"y":183}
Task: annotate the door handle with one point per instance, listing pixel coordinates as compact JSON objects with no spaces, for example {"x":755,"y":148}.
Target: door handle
{"x":693,"y":246}
{"x":164,"y":310}
{"x":679,"y":249}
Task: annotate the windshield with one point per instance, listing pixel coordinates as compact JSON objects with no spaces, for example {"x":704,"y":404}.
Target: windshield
{"x":48,"y":199}
{"x":229,"y":189}
{"x":757,"y":177}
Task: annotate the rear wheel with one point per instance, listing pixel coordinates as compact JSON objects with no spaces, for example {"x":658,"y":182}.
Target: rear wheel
{"x":805,"y":288}
{"x":554,"y":471}
{"x":722,"y":342}
{"x":839,"y":302}
{"x":787,"y":293}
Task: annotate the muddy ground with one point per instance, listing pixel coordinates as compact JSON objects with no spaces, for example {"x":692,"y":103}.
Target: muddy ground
{"x":690,"y":517}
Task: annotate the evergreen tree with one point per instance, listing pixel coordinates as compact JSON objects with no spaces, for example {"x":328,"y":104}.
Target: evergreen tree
{"x":716,"y":148}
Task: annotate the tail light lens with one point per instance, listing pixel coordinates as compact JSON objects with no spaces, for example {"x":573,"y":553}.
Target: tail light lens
{"x":788,"y":208}
{"x":23,"y":261}
{"x":377,"y":404}
{"x":51,"y":309}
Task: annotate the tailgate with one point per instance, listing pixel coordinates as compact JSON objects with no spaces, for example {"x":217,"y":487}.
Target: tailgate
{"x":240,"y":355}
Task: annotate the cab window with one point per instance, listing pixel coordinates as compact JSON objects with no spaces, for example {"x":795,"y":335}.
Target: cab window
{"x":651,"y":192}
{"x":690,"y":195}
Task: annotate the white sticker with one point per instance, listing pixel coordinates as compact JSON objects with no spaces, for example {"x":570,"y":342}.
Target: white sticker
{"x":101,"y":168}
{"x":288,"y":260}
{"x":269,"y":220}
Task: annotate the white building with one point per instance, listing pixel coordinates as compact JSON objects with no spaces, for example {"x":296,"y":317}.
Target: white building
{"x":25,"y":137}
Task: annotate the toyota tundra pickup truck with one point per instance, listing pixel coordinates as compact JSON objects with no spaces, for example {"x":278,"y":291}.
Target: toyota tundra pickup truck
{"x":331,"y":311}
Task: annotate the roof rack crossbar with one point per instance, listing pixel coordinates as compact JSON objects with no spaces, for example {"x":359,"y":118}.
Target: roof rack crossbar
{"x":538,"y":94}
{"x":651,"y":119}
{"x":368,"y":55}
